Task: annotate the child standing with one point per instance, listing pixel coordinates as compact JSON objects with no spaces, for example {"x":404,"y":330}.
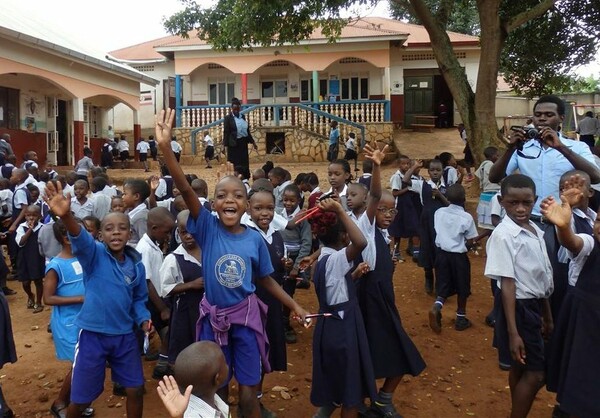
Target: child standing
{"x":517,"y":259}
{"x":176,"y":148}
{"x":393,"y":354}
{"x":123,"y":148}
{"x":64,"y":290}
{"x":342,"y":369}
{"x":351,"y":147}
{"x":408,"y":207}
{"x":142,"y":148}
{"x":240,"y":258}
{"x":135,"y":193}
{"x":114,"y":304}
{"x":209,"y":150}
{"x":334,"y":139}
{"x":181,"y":278}
{"x":339,"y":175}
{"x":297,"y":242}
{"x":454,"y":234}
{"x":432,"y":193}
{"x":30,"y":264}
{"x":451,"y":174}
{"x":153,"y":148}
{"x":80,"y":204}
{"x":488,"y":191}
{"x":83,"y":166}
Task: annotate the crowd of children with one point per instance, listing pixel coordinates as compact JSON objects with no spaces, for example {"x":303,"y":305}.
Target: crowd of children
{"x":215,"y":278}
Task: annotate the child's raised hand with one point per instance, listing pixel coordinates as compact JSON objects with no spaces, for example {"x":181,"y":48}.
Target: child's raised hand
{"x":174,"y":401}
{"x":573,"y":189}
{"x":417,"y":164}
{"x":375,"y":154}
{"x":59,"y":204}
{"x":164,"y":125}
{"x":558,"y":214}
{"x":154,"y":182}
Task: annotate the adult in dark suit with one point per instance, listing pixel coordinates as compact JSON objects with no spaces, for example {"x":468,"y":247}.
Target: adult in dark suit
{"x":236,"y":136}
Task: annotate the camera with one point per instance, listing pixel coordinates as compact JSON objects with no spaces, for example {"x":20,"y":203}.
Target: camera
{"x":531,"y":133}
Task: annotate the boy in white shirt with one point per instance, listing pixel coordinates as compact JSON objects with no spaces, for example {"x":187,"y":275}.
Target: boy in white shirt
{"x":176,"y":147}
{"x":142,"y":148}
{"x":123,"y":148}
{"x":209,"y":151}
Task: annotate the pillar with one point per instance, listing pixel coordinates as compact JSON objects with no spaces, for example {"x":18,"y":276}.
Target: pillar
{"x":315,"y":83}
{"x":78,"y":130}
{"x":244,"y":88}
{"x":386,"y":83}
{"x":178,"y":100}
{"x":137,"y":131}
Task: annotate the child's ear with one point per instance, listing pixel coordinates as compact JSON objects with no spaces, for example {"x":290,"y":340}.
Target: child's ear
{"x":590,"y":192}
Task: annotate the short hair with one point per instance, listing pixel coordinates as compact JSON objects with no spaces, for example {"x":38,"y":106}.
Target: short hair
{"x":589,"y":113}
{"x":583,"y":174}
{"x":551,"y":98}
{"x":235,"y":101}
{"x":98,"y":183}
{"x":312,"y":179}
{"x":516,"y":181}
{"x":81,"y":181}
{"x":435,"y":161}
{"x":200,"y":186}
{"x":361,"y":186}
{"x":352,"y":135}
{"x":403,"y":157}
{"x":182,"y":217}
{"x":262,"y":185}
{"x":300,"y":178}
{"x":367,"y":166}
{"x":87,"y":151}
{"x":138,"y":186}
{"x":456,"y":194}
{"x":278,"y":172}
{"x":59,"y":230}
{"x":489,"y":152}
{"x":93,"y":219}
{"x":293,"y":188}
{"x":445,"y":158}
{"x":259,"y":173}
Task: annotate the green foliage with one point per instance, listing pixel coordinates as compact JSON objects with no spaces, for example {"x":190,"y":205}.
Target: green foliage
{"x":463,"y":17}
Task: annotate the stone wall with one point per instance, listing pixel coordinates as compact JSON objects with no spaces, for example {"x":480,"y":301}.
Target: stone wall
{"x":300,"y":145}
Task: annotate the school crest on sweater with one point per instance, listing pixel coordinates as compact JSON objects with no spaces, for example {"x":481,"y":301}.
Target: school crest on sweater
{"x":230,"y":270}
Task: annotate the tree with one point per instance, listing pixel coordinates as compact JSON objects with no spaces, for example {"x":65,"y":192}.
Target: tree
{"x":239,"y":24}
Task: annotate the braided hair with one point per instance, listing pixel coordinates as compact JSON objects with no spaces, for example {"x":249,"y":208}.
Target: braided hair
{"x":327,"y":227}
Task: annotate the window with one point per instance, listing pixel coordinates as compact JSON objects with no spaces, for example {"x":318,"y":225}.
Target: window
{"x":221,"y":92}
{"x":9,"y":108}
{"x":305,"y":90}
{"x":355,"y":88}
{"x":323,"y":90}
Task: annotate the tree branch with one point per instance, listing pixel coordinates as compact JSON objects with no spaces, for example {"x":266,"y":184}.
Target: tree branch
{"x":444,"y":10}
{"x":527,"y":15}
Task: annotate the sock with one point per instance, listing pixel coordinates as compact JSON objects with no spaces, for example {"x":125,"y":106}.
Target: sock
{"x":259,"y":395}
{"x":162,"y":360}
{"x":383,"y":398}
{"x":325,"y":411}
{"x":460,"y":315}
{"x":440,"y":301}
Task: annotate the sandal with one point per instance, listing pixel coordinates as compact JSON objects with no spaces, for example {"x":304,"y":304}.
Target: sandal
{"x":30,"y":304}
{"x":59,"y":411}
{"x":38,"y":308}
{"x":88,"y":412}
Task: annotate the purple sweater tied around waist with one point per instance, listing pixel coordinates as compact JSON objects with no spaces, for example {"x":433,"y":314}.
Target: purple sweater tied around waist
{"x":250,"y":312}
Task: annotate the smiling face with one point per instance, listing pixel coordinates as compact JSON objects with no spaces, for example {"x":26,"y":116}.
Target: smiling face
{"x":116,"y":231}
{"x":386,"y":211}
{"x":262,"y":209}
{"x":337,"y":176}
{"x":546,"y":114}
{"x":518,"y":203}
{"x":356,"y":197}
{"x":230,"y":203}
{"x":290,"y":201}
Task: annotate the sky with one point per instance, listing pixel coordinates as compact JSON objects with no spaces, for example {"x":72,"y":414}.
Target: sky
{"x":113,"y":24}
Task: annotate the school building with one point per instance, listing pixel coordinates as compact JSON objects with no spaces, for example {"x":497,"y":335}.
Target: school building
{"x":378,"y":76}
{"x":56,"y":95}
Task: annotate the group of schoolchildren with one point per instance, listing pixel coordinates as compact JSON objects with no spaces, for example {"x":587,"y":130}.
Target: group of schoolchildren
{"x":258,"y":245}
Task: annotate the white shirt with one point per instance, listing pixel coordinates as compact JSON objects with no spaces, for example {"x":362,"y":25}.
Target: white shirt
{"x":170,"y":273}
{"x":351,"y":144}
{"x":152,"y":258}
{"x":81,"y":211}
{"x":267,"y":236}
{"x":20,"y":232}
{"x":175,"y":146}
{"x":67,"y":189}
{"x":515,"y":252}
{"x":396,"y":180}
{"x":41,"y":187}
{"x":109,"y":191}
{"x":123,"y":146}
{"x":369,"y":254}
{"x":483,"y":174}
{"x":278,"y":193}
{"x":161,"y":190}
{"x":102,"y":204}
{"x":84,"y":166}
{"x":336,"y":268}
{"x":135,"y":210}
{"x":577,"y":261}
{"x":197,"y":408}
{"x":452,"y":226}
{"x":209,"y":141}
{"x":417,"y":186}
{"x":143,"y":147}
{"x":496,"y":208}
{"x":20,"y":196}
{"x":452,"y":176}
{"x":6,"y":196}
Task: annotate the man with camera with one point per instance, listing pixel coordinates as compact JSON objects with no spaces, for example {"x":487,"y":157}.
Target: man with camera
{"x":544,"y":154}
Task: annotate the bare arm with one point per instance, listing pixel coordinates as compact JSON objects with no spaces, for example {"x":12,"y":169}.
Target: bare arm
{"x":376,"y":156}
{"x":50,"y":296}
{"x":60,"y":205}
{"x":560,"y":216}
{"x":357,"y":239}
{"x":517,"y":347}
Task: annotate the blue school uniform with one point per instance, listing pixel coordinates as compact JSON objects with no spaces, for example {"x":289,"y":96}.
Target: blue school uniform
{"x":392,"y":351}
{"x":406,"y":222}
{"x":70,"y":283}
{"x":427,"y":231}
{"x":8,"y":354}
{"x":30,"y":264}
{"x":573,"y":360}
{"x":184,"y":309}
{"x":275,"y":325}
{"x":342,"y":368}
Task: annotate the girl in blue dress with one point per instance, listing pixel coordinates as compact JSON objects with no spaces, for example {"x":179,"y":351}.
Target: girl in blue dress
{"x":342,"y":369}
{"x":63,"y":290}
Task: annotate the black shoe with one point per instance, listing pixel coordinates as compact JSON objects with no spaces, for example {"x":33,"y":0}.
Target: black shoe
{"x":303,"y":284}
{"x":161,"y":370}
{"x":8,"y":292}
{"x":118,"y":390}
{"x":49,"y":329}
{"x":490,"y":321}
{"x":290,"y":336}
{"x":462,"y":323}
{"x":435,"y":318}
{"x":383,"y":410}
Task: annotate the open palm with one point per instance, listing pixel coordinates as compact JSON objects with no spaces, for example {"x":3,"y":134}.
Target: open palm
{"x":59,"y":204}
{"x":375,"y":154}
{"x":558,"y":214}
{"x":174,"y":401}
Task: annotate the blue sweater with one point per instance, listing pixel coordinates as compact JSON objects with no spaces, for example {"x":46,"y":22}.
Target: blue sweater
{"x":111,"y":305}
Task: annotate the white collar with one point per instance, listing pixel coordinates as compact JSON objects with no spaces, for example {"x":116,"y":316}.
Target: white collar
{"x":267,"y":236}
{"x":294,"y":213}
{"x":315,"y":190}
{"x":186,"y":256}
{"x":151,"y":243}
{"x":136,"y":210}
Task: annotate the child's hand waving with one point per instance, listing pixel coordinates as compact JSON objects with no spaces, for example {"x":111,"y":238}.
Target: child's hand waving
{"x":174,"y":401}
{"x":558,"y":214}
{"x":59,"y":204}
{"x":164,"y":125}
{"x":573,"y":189}
{"x":375,"y":154}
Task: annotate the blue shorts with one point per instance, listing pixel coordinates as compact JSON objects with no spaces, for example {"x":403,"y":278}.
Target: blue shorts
{"x":91,"y":354}
{"x":241,"y":353}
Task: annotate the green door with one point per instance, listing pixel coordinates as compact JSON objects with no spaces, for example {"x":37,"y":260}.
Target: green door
{"x":418,"y":97}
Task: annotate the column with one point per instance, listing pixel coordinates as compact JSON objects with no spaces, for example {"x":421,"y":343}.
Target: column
{"x":178,"y":101}
{"x":315,"y":83}
{"x":244,"y":88}
{"x":387,"y":86}
{"x":137,"y":132}
{"x":78,"y":130}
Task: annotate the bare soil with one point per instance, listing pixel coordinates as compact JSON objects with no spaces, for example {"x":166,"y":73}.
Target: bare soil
{"x":462,"y":376}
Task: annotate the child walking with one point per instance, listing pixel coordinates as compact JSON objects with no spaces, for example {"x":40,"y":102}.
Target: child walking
{"x":30,"y":264}
{"x":454,"y":234}
{"x":113,"y":306}
{"x":240,"y":258}
{"x":517,"y":259}
{"x":142,"y":148}
{"x":393,"y":354}
{"x":64,"y":290}
{"x":342,"y":369}
{"x":83,"y":166}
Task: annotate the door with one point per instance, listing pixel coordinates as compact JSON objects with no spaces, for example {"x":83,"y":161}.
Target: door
{"x":51,"y":133}
{"x":418,"y":97}
{"x":274,"y":91}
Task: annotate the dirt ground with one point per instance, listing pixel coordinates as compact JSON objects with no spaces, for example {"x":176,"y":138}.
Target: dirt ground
{"x":462,"y":376}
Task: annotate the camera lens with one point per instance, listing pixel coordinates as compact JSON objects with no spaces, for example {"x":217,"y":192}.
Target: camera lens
{"x":532,"y":133}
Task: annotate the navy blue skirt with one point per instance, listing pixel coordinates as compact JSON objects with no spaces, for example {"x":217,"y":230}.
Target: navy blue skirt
{"x":8,"y":354}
